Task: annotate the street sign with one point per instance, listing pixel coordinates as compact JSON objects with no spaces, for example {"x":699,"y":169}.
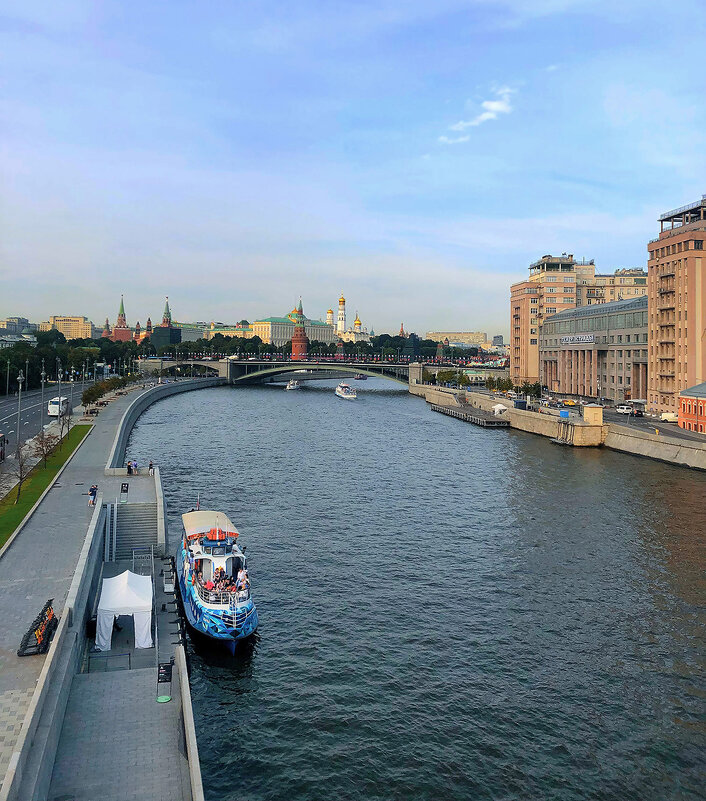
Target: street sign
{"x":123,"y":492}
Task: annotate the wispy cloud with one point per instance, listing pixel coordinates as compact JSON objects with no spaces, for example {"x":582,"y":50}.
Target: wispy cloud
{"x":453,"y":140}
{"x":492,"y":109}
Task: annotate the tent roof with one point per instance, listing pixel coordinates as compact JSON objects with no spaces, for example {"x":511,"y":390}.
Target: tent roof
{"x":202,"y":522}
{"x":126,"y":593}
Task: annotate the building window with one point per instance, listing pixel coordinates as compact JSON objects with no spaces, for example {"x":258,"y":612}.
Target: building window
{"x":533,"y":341}
{"x":698,"y":244}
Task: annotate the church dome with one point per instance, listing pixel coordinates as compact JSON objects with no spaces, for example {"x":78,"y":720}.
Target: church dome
{"x":357,"y":321}
{"x":341,"y":299}
{"x":330,"y":311}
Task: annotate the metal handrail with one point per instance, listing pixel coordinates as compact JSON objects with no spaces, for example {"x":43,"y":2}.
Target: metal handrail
{"x":227,"y":598}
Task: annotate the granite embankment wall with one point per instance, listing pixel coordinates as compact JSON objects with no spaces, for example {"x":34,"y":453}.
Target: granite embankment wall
{"x":116,"y":460}
{"x":656,"y":446}
{"x":638,"y":442}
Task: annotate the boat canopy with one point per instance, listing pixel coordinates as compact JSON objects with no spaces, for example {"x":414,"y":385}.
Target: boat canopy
{"x":213,"y":525}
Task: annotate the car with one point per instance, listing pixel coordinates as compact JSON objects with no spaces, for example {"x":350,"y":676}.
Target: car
{"x":623,"y":408}
{"x":637,"y":412}
{"x":569,"y":402}
{"x":669,"y":417}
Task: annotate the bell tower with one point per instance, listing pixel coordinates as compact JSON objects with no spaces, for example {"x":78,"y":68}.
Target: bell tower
{"x":341,"y":323}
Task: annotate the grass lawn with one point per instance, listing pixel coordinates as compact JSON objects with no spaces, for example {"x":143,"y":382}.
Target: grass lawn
{"x":37,"y":481}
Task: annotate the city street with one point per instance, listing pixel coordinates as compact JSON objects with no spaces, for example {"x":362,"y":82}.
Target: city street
{"x":30,"y":417}
{"x":649,"y":424}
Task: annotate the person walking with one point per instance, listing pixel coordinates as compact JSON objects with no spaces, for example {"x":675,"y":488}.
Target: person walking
{"x":134,"y":466}
{"x":151,"y":468}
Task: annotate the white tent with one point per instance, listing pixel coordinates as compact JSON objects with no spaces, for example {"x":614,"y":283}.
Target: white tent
{"x":126,"y":594}
{"x":499,"y":409}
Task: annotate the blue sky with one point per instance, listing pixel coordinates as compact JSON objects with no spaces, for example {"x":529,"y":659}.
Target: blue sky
{"x":414,"y":155}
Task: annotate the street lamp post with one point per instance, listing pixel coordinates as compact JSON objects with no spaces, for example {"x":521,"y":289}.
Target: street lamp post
{"x":43,"y":376}
{"x":58,"y":378}
{"x":20,"y":379}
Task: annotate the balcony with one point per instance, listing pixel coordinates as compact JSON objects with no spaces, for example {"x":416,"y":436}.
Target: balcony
{"x":666,"y":306}
{"x":666,"y":290}
{"x":668,"y":272}
{"x":666,"y":341}
{"x":666,"y":375}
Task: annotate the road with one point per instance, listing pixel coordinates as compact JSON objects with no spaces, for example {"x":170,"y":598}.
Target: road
{"x":30,"y":416}
{"x":648,"y":424}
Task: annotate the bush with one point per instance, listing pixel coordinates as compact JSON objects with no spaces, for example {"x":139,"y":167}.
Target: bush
{"x":96,"y":391}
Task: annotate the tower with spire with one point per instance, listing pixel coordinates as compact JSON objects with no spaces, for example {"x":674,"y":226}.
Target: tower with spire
{"x":341,"y":322}
{"x":300,"y":341}
{"x":106,"y":329}
{"x":121,"y":332}
{"x":166,"y":315}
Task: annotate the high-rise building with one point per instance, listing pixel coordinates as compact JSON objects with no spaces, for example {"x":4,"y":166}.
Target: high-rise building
{"x":676,"y":271}
{"x":70,"y":327}
{"x":550,"y":288}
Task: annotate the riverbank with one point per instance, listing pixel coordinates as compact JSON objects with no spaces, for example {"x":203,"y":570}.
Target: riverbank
{"x":578,"y":432}
{"x":59,"y":554}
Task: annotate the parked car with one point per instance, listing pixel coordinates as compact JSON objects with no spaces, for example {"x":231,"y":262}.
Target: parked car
{"x":669,"y":417}
{"x":569,"y":402}
{"x":637,"y":412}
{"x":623,"y":408}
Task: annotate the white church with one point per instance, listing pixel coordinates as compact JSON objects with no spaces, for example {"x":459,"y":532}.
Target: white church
{"x":355,"y":334}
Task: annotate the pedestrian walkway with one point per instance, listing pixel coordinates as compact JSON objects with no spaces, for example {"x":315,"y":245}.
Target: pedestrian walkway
{"x":114,"y":741}
{"x":40,"y":563}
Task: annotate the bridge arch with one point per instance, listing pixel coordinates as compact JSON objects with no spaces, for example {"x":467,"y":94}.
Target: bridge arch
{"x":392,"y":373}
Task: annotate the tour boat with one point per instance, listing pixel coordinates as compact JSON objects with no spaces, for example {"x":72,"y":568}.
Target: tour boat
{"x":345,"y":391}
{"x":293,"y":385}
{"x":360,"y":377}
{"x":209,"y":549}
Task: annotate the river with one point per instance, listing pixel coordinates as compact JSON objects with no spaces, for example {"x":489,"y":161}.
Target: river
{"x":446,"y":612}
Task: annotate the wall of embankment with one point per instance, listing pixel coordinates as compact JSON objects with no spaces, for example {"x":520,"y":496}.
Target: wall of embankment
{"x":116,"y":460}
{"x":662,"y":447}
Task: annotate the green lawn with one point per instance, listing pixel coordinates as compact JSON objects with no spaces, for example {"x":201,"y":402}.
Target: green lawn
{"x":39,"y":478}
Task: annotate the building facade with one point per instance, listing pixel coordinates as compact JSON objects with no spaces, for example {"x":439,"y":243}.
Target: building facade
{"x":592,"y":289}
{"x":71,"y":327}
{"x":550,"y":288}
{"x":692,"y":408}
{"x":16,"y":325}
{"x":597,"y":351}
{"x":459,"y":337}
{"x":280,"y":330}
{"x":676,"y":271}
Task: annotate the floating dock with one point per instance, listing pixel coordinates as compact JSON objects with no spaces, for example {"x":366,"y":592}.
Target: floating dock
{"x":478,"y":417}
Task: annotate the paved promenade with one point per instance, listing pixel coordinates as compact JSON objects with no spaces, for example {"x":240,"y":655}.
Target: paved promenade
{"x":41,"y":562}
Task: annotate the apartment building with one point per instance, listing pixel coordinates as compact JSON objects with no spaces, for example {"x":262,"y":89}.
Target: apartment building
{"x":676,"y":285}
{"x":550,"y":288}
{"x":624,"y":284}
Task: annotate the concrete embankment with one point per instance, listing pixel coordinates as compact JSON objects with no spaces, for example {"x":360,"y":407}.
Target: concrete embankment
{"x":50,"y":703}
{"x":656,"y":446}
{"x":578,"y":432}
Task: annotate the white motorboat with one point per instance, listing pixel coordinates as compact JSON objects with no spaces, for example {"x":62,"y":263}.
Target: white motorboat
{"x":293,"y":385}
{"x":346,"y":391}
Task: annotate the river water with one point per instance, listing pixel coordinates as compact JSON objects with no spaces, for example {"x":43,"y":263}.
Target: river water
{"x":446,"y":612}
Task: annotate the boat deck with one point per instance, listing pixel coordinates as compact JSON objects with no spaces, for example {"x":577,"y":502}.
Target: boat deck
{"x":478,"y":417}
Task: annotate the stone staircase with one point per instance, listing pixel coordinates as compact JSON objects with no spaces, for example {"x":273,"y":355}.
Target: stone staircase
{"x":137,"y":528}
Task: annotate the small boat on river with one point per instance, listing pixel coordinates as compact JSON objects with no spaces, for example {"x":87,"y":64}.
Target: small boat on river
{"x":346,"y":391}
{"x":293,"y":384}
{"x":360,"y":377}
{"x":213,"y":578}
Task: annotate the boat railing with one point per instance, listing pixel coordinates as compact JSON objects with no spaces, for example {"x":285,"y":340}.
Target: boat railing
{"x":222,"y":598}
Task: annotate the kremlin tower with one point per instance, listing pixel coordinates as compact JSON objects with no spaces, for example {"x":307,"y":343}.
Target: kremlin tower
{"x":148,"y":327}
{"x":300,"y":341}
{"x":166,"y":316}
{"x":106,"y":330}
{"x":121,"y":332}
{"x":137,"y":336}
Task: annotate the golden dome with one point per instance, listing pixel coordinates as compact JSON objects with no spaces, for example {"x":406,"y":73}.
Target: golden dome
{"x":357,"y":321}
{"x":341,"y":299}
{"x":330,"y":311}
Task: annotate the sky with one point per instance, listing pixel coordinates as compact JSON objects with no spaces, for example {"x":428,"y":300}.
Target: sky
{"x":414,"y":155}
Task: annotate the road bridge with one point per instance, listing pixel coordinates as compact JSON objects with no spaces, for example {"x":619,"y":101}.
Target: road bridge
{"x":252,"y":371}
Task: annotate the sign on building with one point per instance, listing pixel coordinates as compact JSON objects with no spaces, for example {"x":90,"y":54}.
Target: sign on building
{"x":578,"y":339}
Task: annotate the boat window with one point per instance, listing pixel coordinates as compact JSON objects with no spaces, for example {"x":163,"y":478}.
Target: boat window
{"x":207,"y":550}
{"x":207,"y":569}
{"x":218,"y":551}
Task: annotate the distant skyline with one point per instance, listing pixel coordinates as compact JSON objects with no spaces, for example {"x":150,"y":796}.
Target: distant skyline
{"x":416,"y":156}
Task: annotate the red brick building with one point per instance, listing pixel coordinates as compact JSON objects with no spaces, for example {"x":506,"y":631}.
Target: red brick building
{"x":692,"y":408}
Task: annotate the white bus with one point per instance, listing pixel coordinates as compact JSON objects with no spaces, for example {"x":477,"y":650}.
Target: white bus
{"x":58,"y":406}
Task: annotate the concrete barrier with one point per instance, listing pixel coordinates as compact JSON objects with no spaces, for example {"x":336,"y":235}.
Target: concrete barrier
{"x":116,"y":460}
{"x":192,"y":748}
{"x":657,"y":446}
{"x":161,"y":513}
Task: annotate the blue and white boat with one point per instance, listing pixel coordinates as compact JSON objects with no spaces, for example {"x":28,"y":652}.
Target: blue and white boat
{"x":213,"y":579}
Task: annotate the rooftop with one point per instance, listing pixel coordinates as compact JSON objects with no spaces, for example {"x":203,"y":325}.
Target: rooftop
{"x":697,"y":391}
{"x":682,"y":210}
{"x":630,"y":304}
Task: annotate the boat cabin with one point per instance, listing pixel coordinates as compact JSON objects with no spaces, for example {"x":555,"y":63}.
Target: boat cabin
{"x":211,"y":541}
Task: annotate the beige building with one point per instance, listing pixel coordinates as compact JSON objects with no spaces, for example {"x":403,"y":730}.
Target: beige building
{"x":459,"y":337}
{"x":677,"y":305}
{"x":623,"y":284}
{"x":71,"y":327}
{"x":242,"y":331}
{"x":550,"y":288}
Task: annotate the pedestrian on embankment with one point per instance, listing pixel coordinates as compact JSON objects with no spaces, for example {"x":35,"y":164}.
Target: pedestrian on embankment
{"x":151,"y":468}
{"x":129,"y":467}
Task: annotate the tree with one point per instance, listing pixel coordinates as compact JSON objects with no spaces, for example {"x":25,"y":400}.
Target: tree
{"x":43,"y":445}
{"x":490,"y":382}
{"x":64,"y":425}
{"x":21,"y":467}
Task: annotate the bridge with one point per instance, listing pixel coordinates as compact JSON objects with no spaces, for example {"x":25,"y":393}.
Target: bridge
{"x":253,"y":371}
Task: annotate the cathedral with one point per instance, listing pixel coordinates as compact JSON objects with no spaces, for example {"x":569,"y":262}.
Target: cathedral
{"x":355,"y":334}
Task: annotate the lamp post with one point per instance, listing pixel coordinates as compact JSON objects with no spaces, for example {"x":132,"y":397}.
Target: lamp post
{"x":7,"y":386}
{"x":58,"y":378}
{"x":43,"y":376}
{"x":20,"y":379}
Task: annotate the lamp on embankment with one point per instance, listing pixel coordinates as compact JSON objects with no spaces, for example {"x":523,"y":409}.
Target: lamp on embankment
{"x":43,"y":376}
{"x":20,"y":379}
